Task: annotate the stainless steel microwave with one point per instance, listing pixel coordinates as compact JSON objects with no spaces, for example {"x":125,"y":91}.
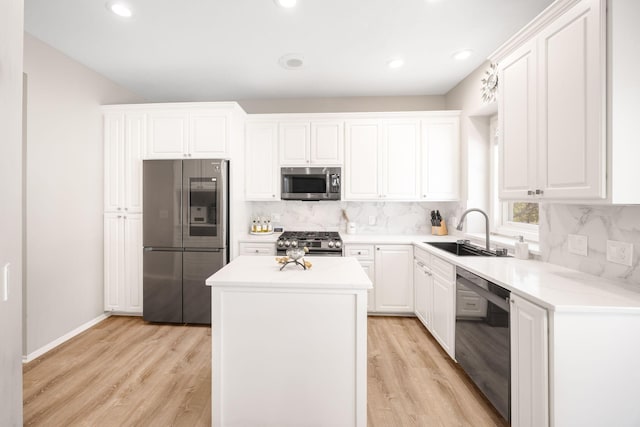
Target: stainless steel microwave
{"x":312,"y":183}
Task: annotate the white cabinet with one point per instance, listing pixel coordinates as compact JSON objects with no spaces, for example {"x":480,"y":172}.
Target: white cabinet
{"x":257,"y":248}
{"x":440,"y":154}
{"x":517,"y":123}
{"x":327,"y":142}
{"x":394,"y":278}
{"x":315,"y":143}
{"x":124,"y":135}
{"x":362,"y":158}
{"x":552,"y":110}
{"x":193,"y":133}
{"x":365,"y":256}
{"x":400,"y":171}
{"x":382,"y":159}
{"x":435,"y":297}
{"x":529,"y":364}
{"x":123,"y":263}
{"x":443,"y":319}
{"x":423,"y":290}
{"x":262,"y":177}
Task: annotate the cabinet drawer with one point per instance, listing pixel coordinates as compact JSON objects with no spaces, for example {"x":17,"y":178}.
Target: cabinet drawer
{"x":422,"y":255}
{"x":257,"y":248}
{"x":359,"y":251}
{"x":442,"y":268}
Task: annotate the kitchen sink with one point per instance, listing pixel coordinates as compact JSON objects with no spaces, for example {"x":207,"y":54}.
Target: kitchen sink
{"x":464,"y":248}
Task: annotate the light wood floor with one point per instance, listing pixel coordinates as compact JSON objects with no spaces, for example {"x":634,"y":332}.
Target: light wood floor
{"x":125,"y":372}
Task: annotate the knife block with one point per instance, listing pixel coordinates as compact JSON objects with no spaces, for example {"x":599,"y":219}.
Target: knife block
{"x":440,"y":231}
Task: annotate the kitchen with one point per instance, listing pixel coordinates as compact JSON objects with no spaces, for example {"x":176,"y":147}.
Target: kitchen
{"x":73,"y":304}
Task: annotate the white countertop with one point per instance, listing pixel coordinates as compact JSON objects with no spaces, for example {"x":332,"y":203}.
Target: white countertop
{"x":264,"y":271}
{"x":551,"y":286}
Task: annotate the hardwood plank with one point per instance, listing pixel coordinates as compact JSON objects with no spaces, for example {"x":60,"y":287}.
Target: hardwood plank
{"x":125,"y":372}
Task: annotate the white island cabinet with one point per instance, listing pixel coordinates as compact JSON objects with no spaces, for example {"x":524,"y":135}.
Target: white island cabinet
{"x":289,"y":347}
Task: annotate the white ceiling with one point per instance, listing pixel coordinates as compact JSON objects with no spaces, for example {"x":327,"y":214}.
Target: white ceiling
{"x":214,"y":50}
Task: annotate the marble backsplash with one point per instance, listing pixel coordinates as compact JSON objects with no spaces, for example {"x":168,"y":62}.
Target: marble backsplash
{"x":390,"y":217}
{"x":599,"y":224}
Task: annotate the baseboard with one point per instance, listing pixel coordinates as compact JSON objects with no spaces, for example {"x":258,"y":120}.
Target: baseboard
{"x":66,"y":337}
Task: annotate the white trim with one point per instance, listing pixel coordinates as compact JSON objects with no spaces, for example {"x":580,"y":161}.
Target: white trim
{"x":550,"y":14}
{"x":66,"y":337}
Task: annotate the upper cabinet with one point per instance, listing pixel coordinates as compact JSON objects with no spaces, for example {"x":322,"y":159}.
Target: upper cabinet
{"x":305,"y":143}
{"x":551,"y":109}
{"x":400,"y":172}
{"x":384,"y":156}
{"x":124,"y":136}
{"x":382,"y":160}
{"x":189,"y":132}
{"x":440,"y":155}
{"x":403,"y":158}
{"x":261,"y":161}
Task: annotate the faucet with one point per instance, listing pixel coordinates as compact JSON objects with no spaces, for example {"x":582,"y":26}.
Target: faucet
{"x":486,"y":218}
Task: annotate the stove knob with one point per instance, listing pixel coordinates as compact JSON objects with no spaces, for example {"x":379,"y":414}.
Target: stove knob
{"x":331,"y":244}
{"x":294,"y":244}
{"x":280,"y":243}
{"x":338,"y":244}
{"x":287,"y":243}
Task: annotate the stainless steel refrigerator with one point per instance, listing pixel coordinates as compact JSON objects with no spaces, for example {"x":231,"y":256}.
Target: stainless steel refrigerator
{"x":185,"y":237}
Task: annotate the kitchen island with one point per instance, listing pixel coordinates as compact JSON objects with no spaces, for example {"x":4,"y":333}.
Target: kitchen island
{"x":290,"y":346}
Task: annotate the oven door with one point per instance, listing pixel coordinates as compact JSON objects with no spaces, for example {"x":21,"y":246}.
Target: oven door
{"x":482,"y":337}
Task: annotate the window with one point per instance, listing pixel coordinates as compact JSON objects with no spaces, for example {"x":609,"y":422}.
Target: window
{"x":510,"y":218}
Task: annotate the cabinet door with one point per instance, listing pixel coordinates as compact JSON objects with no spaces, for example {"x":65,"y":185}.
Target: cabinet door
{"x":571,"y":134}
{"x":262,"y":172}
{"x":517,"y":123}
{"x":114,"y":135}
{"x":529,"y":364}
{"x":136,"y":126}
{"x":327,"y":143}
{"x":362,"y":160}
{"x":394,"y":278}
{"x":401,"y":160}
{"x":208,"y":136}
{"x":132,"y":252}
{"x":294,"y":143}
{"x":168,"y":134}
{"x":420,"y":278}
{"x":113,"y":262}
{"x":368,"y":267}
{"x":440,"y":152}
{"x":443,"y":322}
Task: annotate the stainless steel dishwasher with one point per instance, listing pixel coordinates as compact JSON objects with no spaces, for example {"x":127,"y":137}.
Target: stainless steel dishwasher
{"x":482,"y":337}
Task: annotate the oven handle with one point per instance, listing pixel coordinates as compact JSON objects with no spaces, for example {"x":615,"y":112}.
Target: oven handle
{"x":502,"y":303}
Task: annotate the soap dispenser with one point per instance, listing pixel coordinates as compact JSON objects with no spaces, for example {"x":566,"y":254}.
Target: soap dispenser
{"x":522,"y":248}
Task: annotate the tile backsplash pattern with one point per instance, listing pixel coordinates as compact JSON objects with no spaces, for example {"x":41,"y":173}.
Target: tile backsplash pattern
{"x":599,"y":224}
{"x":390,"y":217}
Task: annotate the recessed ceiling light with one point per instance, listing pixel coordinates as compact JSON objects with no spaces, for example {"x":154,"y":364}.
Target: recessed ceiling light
{"x":395,"y":63}
{"x":120,"y":9}
{"x":291,"y":61}
{"x":462,"y":54}
{"x":286,"y":3}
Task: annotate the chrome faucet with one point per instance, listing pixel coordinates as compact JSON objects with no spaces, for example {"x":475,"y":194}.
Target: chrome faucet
{"x":486,"y":218}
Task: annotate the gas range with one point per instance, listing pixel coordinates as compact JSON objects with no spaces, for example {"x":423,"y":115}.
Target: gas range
{"x":320,"y":243}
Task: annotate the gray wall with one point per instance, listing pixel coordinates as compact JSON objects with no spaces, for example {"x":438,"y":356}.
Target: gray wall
{"x":344,"y":105}
{"x":64,"y":191}
{"x":474,"y":143}
{"x":11,"y":19}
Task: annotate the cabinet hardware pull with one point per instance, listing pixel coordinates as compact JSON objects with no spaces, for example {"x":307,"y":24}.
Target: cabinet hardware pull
{"x":530,"y":193}
{"x":539,"y":192}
